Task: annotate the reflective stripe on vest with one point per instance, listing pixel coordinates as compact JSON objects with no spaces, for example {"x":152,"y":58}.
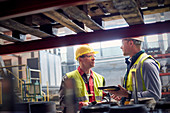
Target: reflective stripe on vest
{"x":137,"y":67}
{"x":98,"y":98}
{"x":82,"y":93}
{"x":86,"y":98}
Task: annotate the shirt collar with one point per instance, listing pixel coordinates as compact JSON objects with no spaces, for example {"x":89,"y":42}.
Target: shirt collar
{"x":82,"y":72}
{"x":128,"y":60}
{"x":135,"y":57}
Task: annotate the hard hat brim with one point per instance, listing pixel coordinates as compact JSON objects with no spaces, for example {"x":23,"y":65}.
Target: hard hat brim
{"x":94,"y":52}
{"x":140,"y":38}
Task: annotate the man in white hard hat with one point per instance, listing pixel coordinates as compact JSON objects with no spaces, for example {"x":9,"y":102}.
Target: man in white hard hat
{"x":87,"y":81}
{"x":146,"y":69}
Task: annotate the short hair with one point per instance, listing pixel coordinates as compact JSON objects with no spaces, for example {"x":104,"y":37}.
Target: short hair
{"x":136,"y":42}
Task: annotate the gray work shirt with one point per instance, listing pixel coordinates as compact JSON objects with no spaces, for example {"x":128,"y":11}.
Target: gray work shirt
{"x":150,"y":70}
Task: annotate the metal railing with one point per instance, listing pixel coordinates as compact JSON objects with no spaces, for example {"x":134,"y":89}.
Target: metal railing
{"x":29,"y":91}
{"x":19,"y":81}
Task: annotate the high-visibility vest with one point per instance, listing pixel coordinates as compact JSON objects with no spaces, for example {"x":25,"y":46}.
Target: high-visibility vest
{"x":82,"y":93}
{"x":137,"y":69}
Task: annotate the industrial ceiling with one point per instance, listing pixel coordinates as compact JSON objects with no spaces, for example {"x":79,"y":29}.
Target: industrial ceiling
{"x":39,"y":18}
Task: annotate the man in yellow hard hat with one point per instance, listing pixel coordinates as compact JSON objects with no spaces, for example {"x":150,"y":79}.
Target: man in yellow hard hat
{"x":146,"y":69}
{"x":87,"y":81}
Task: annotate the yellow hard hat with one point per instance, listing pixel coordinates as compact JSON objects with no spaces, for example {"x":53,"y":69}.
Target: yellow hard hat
{"x":84,"y":49}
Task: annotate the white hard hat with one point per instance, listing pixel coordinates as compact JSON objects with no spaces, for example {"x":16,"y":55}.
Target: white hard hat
{"x":141,"y":38}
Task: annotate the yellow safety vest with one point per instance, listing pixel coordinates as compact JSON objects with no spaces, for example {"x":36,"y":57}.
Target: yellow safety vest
{"x":82,"y":93}
{"x":137,"y":66}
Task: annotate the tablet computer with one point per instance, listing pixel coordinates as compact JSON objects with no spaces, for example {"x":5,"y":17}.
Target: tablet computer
{"x":109,"y":88}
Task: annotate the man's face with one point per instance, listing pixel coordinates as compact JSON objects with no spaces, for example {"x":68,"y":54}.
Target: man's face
{"x":126,"y":47}
{"x":88,"y":60}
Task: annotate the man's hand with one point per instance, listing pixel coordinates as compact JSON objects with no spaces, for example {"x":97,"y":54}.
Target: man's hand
{"x":81,"y":104}
{"x":120,"y":93}
{"x":85,"y":103}
{"x":115,"y":97}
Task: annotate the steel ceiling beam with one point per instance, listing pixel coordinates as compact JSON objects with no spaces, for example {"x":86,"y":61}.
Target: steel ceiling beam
{"x":82,"y":38}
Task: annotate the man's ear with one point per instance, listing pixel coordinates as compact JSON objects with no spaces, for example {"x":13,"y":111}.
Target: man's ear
{"x":79,"y":59}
